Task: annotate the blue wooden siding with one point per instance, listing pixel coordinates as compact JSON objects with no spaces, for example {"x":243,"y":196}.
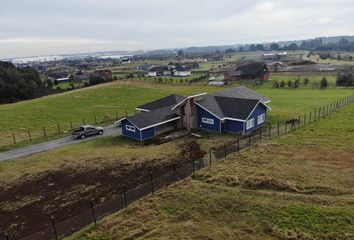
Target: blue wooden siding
{"x":205,"y":114}
{"x":125,"y":132}
{"x":232,"y":126}
{"x":148,"y":133}
{"x":260,"y":109}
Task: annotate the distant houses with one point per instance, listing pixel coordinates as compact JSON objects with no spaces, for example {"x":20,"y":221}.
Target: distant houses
{"x":243,"y":70}
{"x":172,"y":69}
{"x":234,"y":110}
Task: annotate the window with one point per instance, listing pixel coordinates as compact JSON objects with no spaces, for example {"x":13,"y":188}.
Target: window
{"x":130,"y":128}
{"x":250,"y":124}
{"x":208,"y":121}
{"x":261,"y":118}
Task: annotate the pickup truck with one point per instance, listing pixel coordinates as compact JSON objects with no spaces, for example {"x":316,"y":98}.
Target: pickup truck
{"x":87,"y":130}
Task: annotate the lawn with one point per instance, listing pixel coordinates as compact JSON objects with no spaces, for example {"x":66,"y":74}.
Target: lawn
{"x":299,"y":186}
{"x":108,"y":101}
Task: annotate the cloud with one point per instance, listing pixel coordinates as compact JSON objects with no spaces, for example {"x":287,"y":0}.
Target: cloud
{"x":41,"y":27}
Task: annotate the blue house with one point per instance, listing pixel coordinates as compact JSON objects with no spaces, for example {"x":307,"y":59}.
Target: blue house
{"x":234,"y":110}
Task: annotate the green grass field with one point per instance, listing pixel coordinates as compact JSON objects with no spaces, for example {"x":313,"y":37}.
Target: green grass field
{"x":299,"y":186}
{"x":105,"y":101}
{"x":314,"y":80}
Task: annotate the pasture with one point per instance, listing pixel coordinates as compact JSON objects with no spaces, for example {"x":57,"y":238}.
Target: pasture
{"x":299,"y":186}
{"x":110,"y":101}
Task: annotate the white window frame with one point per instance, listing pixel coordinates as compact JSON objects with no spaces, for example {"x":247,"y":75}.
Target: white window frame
{"x":130,"y":128}
{"x":250,"y":124}
{"x":208,"y":121}
{"x":261,"y":118}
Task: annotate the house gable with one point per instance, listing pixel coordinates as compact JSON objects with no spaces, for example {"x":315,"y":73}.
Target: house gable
{"x":127,"y":130}
{"x":207,"y":120}
{"x":259,"y":110}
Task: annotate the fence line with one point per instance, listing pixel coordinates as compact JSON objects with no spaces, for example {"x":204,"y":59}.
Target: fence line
{"x":96,"y":211}
{"x":60,"y":128}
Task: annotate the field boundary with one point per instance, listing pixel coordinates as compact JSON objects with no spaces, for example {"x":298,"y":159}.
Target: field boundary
{"x":62,"y":226}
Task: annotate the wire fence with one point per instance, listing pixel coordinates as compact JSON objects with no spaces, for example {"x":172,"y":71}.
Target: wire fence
{"x":57,"y":129}
{"x":60,"y":227}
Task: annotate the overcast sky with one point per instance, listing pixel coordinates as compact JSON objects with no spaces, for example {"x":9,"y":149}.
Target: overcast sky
{"x":44,"y":27}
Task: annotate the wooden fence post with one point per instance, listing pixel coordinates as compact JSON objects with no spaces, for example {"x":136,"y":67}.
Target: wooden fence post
{"x":310,"y":117}
{"x":116,"y":116}
{"x":44,"y":132}
{"x":93,"y":213}
{"x":14,"y":138}
{"x":225,"y":151}
{"x":71,"y":125}
{"x":299,"y":122}
{"x":278,"y":128}
{"x":29,"y":135}
{"x":174,"y":173}
{"x":286,"y":126}
{"x":126,"y":112}
{"x":260,"y":134}
{"x":305,"y":120}
{"x":54,"y":228}
{"x":125,"y":197}
{"x":152,"y":183}
{"x":58,"y":127}
{"x":270,"y":131}
{"x":210,"y":157}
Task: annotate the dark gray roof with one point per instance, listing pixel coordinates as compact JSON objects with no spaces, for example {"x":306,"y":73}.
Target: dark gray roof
{"x":229,"y":107}
{"x":250,"y":68}
{"x":162,"y":102}
{"x":241,"y":92}
{"x":146,"y":119}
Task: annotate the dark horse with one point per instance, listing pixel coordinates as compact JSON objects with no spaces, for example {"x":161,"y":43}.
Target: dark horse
{"x":293,"y":122}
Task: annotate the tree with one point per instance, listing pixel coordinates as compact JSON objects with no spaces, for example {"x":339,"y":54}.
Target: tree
{"x":259,"y":47}
{"x":276,"y":84}
{"x":230,"y":50}
{"x":20,"y":83}
{"x":345,"y":79}
{"x":290,"y":84}
{"x":72,"y":82}
{"x":292,"y":46}
{"x":306,"y":81}
{"x":324,"y":83}
{"x":297,"y":83}
{"x":282,"y":84}
{"x":274,"y":47}
{"x":180,"y":54}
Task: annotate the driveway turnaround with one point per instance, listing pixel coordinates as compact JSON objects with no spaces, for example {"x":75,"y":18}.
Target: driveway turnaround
{"x":111,"y":130}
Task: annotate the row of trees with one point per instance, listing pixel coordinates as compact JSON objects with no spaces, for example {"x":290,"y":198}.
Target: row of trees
{"x":295,"y":84}
{"x":20,"y":83}
{"x":344,"y":79}
{"x":314,"y":45}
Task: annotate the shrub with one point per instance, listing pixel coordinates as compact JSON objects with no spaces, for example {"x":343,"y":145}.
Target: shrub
{"x":290,"y":84}
{"x":282,"y":84}
{"x":324,"y":83}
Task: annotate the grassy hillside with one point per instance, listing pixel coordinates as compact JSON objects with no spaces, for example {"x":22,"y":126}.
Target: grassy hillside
{"x":105,"y":101}
{"x":297,"y":187}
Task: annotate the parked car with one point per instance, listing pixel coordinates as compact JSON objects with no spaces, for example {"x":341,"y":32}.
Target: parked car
{"x":86,"y":131}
